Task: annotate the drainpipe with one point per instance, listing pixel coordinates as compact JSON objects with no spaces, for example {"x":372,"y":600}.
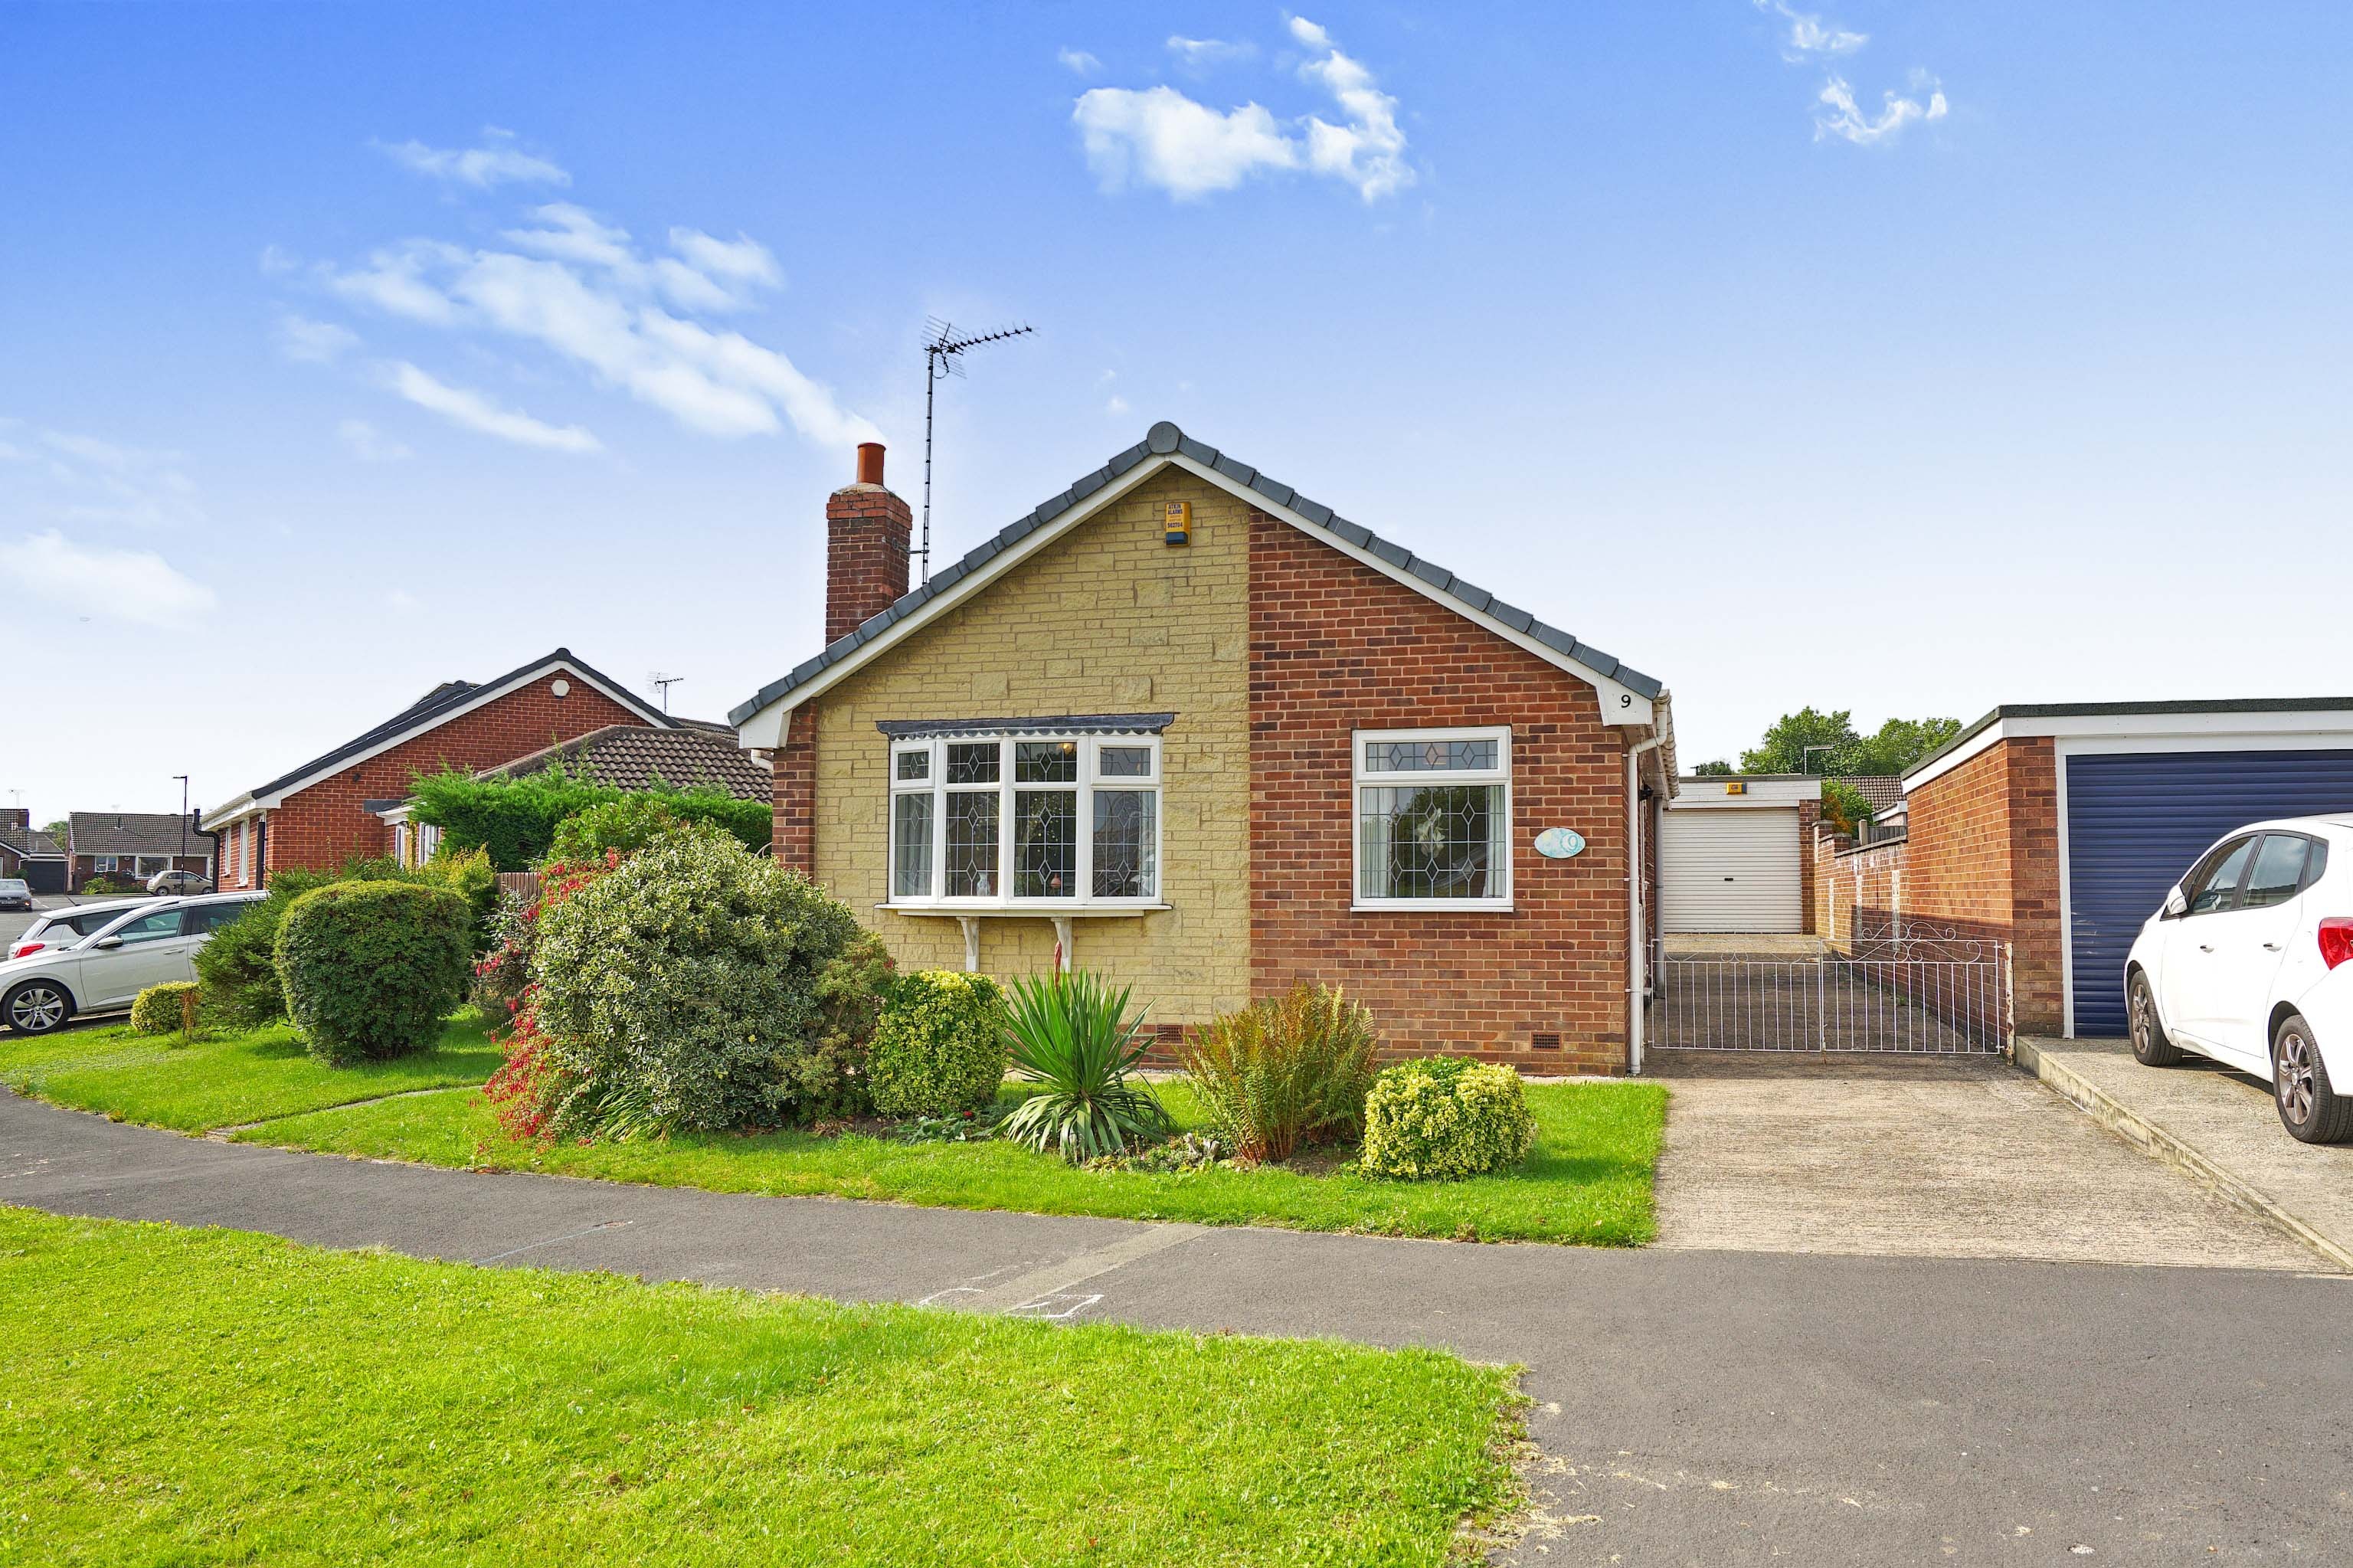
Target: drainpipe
{"x":1638,"y":948}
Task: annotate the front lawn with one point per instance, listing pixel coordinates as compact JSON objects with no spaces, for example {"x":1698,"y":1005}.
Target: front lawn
{"x":231,"y":1078}
{"x":204,"y":1396}
{"x":1587,"y":1180}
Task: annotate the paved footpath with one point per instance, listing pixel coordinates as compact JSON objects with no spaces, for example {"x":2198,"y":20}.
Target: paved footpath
{"x":1692,"y":1406}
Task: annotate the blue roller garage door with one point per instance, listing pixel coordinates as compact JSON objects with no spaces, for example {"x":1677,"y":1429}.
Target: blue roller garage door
{"x":2135,"y":822}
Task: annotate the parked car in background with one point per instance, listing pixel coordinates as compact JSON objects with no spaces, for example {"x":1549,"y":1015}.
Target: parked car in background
{"x":16,"y":893}
{"x":178,"y":882}
{"x":64,"y":927}
{"x":2249,"y":962}
{"x":142,"y":945}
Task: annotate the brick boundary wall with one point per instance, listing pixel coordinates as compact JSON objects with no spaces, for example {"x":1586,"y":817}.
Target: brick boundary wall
{"x":1984,"y":857}
{"x":1335,"y":647}
{"x":1810,"y":813}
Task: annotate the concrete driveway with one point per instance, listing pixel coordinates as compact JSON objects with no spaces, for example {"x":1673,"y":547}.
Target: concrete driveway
{"x":1955,"y":1156}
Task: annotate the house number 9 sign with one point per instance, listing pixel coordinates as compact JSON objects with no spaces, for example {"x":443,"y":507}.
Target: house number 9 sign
{"x":1559,"y":843}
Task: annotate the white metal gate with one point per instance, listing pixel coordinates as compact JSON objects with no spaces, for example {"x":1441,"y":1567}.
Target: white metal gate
{"x":1918,"y":994}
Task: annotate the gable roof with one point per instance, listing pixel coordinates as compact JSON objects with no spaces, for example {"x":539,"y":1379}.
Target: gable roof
{"x":32,"y":843}
{"x":1165,"y":446}
{"x":132,"y":832}
{"x":435,"y":707}
{"x":633,"y":756}
{"x":1879,"y":790}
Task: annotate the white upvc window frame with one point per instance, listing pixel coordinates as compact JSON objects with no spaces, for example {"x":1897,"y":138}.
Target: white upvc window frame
{"x":1362,"y":778}
{"x":1085,"y":788}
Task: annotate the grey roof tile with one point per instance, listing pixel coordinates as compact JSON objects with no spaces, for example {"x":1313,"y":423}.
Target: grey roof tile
{"x":1162,"y":440}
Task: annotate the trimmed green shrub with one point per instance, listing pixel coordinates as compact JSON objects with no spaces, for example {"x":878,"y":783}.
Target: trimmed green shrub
{"x":1284,"y":1071}
{"x":516,"y":820}
{"x":469,"y":874}
{"x":678,"y":991}
{"x":1071,"y":1035}
{"x":830,"y":1077}
{"x":371,"y":968}
{"x":159,"y":1009}
{"x":237,"y":965}
{"x":1444,"y":1119}
{"x":939,"y":1047}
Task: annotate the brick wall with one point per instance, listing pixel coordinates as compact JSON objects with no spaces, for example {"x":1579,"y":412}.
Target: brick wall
{"x":866,"y":535}
{"x":1983,"y":857}
{"x":1336,"y":647}
{"x":1109,"y":619}
{"x":1810,"y":812}
{"x":322,"y":826}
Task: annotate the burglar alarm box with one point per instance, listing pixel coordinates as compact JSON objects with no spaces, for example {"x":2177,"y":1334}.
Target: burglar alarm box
{"x":1177,"y":522}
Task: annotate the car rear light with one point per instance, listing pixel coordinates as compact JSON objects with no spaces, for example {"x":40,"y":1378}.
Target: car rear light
{"x":2336,"y":940}
{"x":26,"y":950}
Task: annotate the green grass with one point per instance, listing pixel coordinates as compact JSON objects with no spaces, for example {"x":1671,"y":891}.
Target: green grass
{"x":202,"y":1396}
{"x":220,"y":1082}
{"x":1589,"y":1178}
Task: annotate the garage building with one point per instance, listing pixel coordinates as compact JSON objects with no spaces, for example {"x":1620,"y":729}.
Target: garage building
{"x":2060,"y":827}
{"x":1732,"y":855}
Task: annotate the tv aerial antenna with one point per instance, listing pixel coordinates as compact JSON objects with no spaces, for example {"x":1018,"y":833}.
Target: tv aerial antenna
{"x":662,"y":683}
{"x":944,"y":352}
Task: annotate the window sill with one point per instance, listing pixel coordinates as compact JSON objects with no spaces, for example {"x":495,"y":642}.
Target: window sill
{"x":1434,"y":906}
{"x":1041,"y":910}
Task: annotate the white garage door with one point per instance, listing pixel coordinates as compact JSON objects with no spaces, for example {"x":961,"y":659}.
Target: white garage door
{"x":1729,"y":871}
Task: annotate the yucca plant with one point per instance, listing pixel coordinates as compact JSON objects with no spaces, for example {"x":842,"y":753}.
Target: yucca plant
{"x":1071,"y":1034}
{"x":1288,"y":1070}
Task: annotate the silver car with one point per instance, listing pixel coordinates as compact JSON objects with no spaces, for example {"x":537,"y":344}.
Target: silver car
{"x":144,"y":944}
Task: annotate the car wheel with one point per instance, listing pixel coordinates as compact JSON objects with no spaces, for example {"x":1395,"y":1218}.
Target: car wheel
{"x":36,"y":1007}
{"x":2151,"y":1048}
{"x":2309,"y":1107}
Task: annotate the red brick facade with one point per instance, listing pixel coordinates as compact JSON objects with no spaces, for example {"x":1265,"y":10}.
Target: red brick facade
{"x":1336,"y":647}
{"x":794,"y":822}
{"x":866,"y":530}
{"x":323,"y":825}
{"x":1983,"y":857}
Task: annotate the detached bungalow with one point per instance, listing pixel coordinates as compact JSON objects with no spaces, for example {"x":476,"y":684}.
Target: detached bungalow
{"x":132,"y":846}
{"x":324,"y":813}
{"x":1185,"y":726}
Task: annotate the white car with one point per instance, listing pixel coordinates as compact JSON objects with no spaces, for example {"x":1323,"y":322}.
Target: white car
{"x":2248,"y":963}
{"x":138,"y":944}
{"x":64,"y":927}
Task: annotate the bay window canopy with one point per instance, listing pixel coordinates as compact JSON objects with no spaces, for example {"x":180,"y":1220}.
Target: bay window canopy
{"x":1043,"y":814}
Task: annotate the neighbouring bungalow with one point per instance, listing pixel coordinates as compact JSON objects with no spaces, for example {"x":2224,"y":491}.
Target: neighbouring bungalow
{"x":1185,"y":727}
{"x":324,"y":813}
{"x":694,"y":755}
{"x":30,"y":854}
{"x":132,"y":846}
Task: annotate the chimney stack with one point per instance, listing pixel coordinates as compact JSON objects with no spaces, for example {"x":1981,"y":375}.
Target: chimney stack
{"x":867,"y":530}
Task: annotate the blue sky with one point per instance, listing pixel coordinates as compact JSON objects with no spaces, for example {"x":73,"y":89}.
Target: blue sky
{"x":1905,"y":356}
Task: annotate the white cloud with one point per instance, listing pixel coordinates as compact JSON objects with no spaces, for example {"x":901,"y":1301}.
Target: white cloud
{"x":1200,"y":54}
{"x":1117,"y":405}
{"x":313,"y":343}
{"x":583,"y":290}
{"x":96,"y":481}
{"x":368,"y":444}
{"x":1079,"y":62}
{"x":1809,"y":35}
{"x":1836,"y":114}
{"x":496,"y":162}
{"x":461,"y":406}
{"x":1157,"y":136}
{"x":121,"y":584}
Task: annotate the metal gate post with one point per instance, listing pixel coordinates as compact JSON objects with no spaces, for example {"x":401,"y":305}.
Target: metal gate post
{"x":1821,"y":1007}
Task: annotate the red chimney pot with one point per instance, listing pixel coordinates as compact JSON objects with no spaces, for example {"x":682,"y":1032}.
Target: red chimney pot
{"x":870,"y":462}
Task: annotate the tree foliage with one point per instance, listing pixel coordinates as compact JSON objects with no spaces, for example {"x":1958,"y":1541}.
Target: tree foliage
{"x":1811,"y":741}
{"x":516,"y":819}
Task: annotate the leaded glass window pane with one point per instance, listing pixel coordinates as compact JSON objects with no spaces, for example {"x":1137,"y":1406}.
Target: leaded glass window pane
{"x":1429,"y":756}
{"x":1430,"y":841}
{"x":971,"y":844}
{"x":1126,"y":843}
{"x":910,"y":845}
{"x":1044,"y":762}
{"x":1125,"y":762}
{"x":973,"y":764}
{"x":1045,"y":843}
{"x":914,"y":765}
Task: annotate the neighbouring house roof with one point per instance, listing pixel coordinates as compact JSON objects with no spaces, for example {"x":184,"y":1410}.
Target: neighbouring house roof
{"x":132,"y":832}
{"x":2047,"y":719}
{"x":435,"y":707}
{"x":1167,"y":446}
{"x":639,"y":756}
{"x":1880,"y":790}
{"x":31,"y":843}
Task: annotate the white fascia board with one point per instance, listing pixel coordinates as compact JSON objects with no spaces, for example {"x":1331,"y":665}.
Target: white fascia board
{"x":1763,"y":794}
{"x":220,"y":817}
{"x":1620,"y":705}
{"x":2249,"y":731}
{"x":482,"y":698}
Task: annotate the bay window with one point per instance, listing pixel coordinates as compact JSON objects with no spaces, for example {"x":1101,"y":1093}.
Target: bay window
{"x":1035,"y":819}
{"x":1433,"y":818}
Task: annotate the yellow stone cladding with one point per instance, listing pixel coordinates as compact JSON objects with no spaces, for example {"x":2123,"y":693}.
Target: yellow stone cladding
{"x":1109,"y":619}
